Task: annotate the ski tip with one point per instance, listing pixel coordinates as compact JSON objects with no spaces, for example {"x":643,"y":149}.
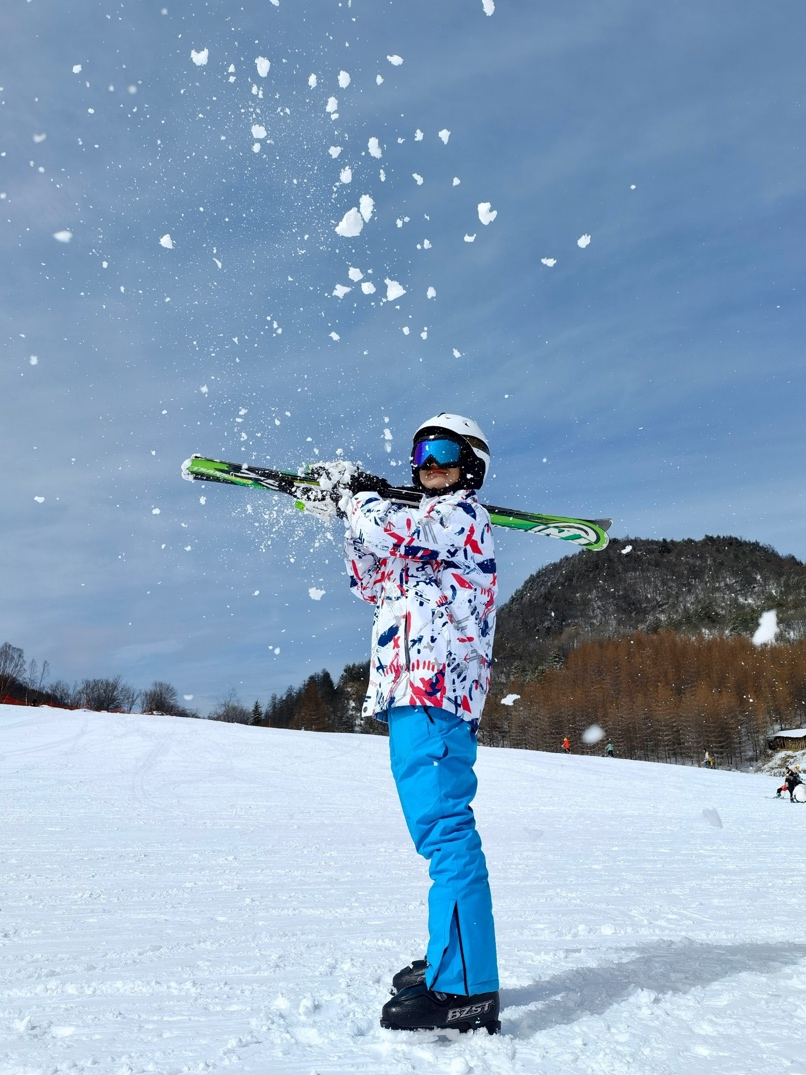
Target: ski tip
{"x":186,"y":468}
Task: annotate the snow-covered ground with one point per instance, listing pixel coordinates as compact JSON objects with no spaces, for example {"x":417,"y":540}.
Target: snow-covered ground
{"x":185,"y":896}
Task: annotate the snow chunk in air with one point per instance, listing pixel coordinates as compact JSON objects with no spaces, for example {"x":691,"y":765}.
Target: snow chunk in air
{"x":366,"y":207}
{"x":312,"y":81}
{"x":489,"y":6}
{"x":551,"y":262}
{"x":593,"y":734}
{"x":470,"y":238}
{"x":767,"y":628}
{"x":583,"y":241}
{"x":334,"y":151}
{"x":199,"y":58}
{"x":393,"y":290}
{"x":315,"y":594}
{"x":375,"y":148}
{"x":445,"y":135}
{"x":262,"y":65}
{"x":63,"y":236}
{"x":355,"y":275}
{"x":340,"y":291}
{"x":510,"y":699}
{"x":431,"y":293}
{"x":351,"y":224}
{"x":258,"y":131}
{"x":167,"y":242}
{"x":395,"y":60}
{"x":486,"y":212}
{"x":344,"y":79}
{"x":368,"y":287}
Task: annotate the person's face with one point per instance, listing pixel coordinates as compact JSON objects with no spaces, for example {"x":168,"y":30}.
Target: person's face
{"x":435,"y":476}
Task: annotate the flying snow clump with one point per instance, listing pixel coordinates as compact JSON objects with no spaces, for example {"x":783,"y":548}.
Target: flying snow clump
{"x":551,"y":262}
{"x":445,"y":135}
{"x":355,"y":275}
{"x":510,"y":699}
{"x":368,"y":287}
{"x":393,"y":290}
{"x":351,"y":224}
{"x":167,"y":242}
{"x":199,"y":58}
{"x":489,"y":6}
{"x":375,"y":148}
{"x":593,"y":734}
{"x":431,"y":293}
{"x":63,"y":236}
{"x":340,"y":291}
{"x":583,"y":241}
{"x":315,"y":594}
{"x":395,"y":60}
{"x":262,"y":65}
{"x":486,"y":213}
{"x":366,"y":206}
{"x":470,"y":238}
{"x":344,"y":79}
{"x":258,"y":131}
{"x":767,"y":628}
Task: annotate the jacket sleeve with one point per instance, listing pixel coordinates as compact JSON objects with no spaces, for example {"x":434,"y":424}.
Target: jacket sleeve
{"x":386,"y":529}
{"x":363,"y":569}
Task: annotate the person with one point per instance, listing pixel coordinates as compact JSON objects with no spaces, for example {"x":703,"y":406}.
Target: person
{"x":430,"y":572}
{"x":567,"y":745}
{"x":610,"y":751}
{"x":792,"y":778}
{"x":708,"y":761}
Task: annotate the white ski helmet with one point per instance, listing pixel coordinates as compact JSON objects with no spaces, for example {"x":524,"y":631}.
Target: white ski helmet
{"x":475,"y":451}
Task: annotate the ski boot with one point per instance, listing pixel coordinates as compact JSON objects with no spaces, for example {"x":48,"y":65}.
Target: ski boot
{"x":419,"y":1008}
{"x":414,"y":974}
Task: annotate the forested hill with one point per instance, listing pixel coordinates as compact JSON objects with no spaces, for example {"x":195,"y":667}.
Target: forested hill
{"x":719,"y":584}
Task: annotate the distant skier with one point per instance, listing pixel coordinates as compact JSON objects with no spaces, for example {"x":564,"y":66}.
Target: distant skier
{"x":791,"y":780}
{"x":430,"y":571}
{"x":567,"y":745}
{"x":610,"y":751}
{"x":708,"y":761}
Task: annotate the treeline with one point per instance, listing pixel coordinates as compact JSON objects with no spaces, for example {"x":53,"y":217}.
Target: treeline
{"x":320,"y":705}
{"x":26,"y":682}
{"x":659,"y":697}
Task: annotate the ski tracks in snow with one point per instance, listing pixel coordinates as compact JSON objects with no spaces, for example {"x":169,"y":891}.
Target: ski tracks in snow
{"x":186,"y":896}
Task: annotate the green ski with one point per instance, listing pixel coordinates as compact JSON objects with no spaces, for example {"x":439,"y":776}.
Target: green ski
{"x":314,"y":485}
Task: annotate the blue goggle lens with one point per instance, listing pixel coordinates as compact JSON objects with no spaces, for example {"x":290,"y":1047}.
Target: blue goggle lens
{"x":444,"y":452}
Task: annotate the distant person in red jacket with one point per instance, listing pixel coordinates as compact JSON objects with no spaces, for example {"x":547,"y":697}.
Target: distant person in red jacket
{"x":567,"y":745}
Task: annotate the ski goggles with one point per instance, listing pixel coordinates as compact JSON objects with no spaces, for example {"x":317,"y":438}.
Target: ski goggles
{"x":442,"y":451}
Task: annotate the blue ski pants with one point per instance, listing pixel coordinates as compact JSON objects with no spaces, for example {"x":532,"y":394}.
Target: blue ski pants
{"x":433,"y":753}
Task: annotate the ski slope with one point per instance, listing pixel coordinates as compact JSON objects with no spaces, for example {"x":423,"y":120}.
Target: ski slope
{"x":186,"y":896}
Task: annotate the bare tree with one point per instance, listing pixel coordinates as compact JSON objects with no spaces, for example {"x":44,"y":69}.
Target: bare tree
{"x":160,"y":698}
{"x":107,"y":695}
{"x":230,"y":710}
{"x":12,"y":667}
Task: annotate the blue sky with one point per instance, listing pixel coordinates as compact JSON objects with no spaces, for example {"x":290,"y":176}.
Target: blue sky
{"x":655,"y":375}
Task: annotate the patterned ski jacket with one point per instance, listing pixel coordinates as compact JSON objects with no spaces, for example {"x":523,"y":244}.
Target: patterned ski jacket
{"x":430,"y":572}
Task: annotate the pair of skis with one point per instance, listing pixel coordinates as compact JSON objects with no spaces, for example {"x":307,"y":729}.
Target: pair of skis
{"x":315,"y":489}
